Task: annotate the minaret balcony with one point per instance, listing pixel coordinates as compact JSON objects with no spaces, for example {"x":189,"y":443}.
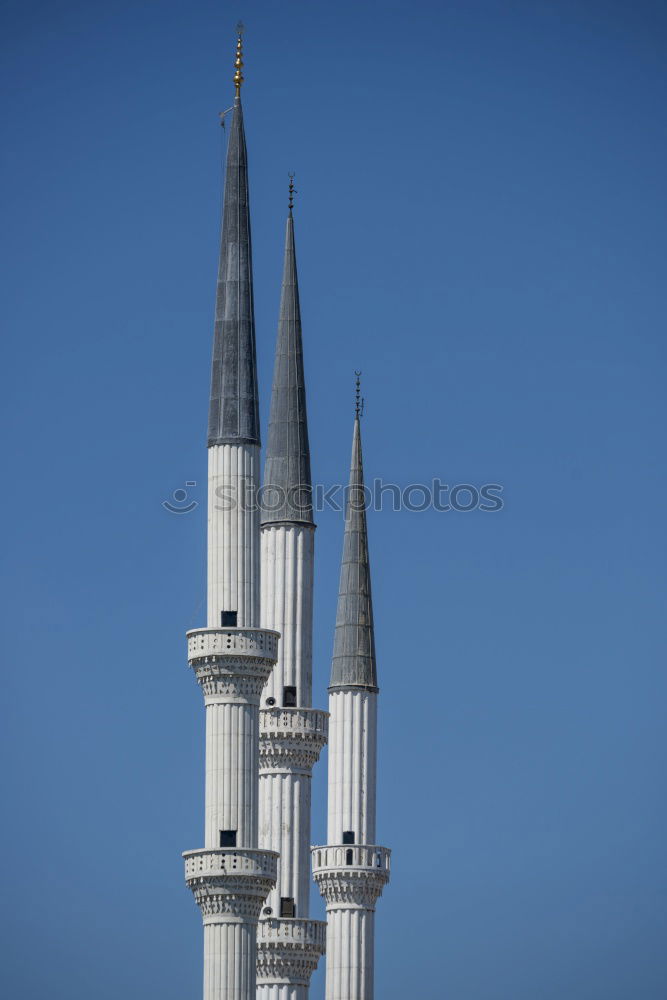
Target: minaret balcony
{"x":288,"y":950}
{"x":230,"y":882}
{"x":351,"y":875}
{"x":232,"y":664}
{"x":290,"y":739}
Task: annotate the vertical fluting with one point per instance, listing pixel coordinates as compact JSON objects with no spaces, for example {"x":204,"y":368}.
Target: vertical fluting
{"x":285,"y":827}
{"x":281,"y":991}
{"x":284,"y":804}
{"x":287,"y":607}
{"x":232,"y":751}
{"x":233,"y":533}
{"x":230,"y":951}
{"x":352,"y":765}
{"x":350,"y":945}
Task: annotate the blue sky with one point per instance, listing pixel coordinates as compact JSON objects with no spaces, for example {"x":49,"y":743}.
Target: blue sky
{"x":480,"y":229}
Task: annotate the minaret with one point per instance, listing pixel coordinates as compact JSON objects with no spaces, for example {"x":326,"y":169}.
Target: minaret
{"x":352,"y":870}
{"x":232,"y":657}
{"x":291,"y":732}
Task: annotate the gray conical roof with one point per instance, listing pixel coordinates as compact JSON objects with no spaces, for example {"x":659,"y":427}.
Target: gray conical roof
{"x":287,"y":482}
{"x":354,"y":642}
{"x":233,"y":412}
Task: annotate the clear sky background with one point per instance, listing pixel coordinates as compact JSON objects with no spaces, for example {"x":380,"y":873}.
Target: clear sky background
{"x":481,"y":230}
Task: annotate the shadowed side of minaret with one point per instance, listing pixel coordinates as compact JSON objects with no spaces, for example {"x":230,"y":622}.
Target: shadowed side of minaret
{"x":351,"y":871}
{"x":292,"y":733}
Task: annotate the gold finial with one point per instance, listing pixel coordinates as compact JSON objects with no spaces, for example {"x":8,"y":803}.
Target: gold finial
{"x":292,"y":192}
{"x":238,"y":64}
{"x":358,"y":402}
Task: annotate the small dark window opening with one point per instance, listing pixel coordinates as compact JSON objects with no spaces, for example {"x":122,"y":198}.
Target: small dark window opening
{"x":289,"y":697}
{"x":348,"y":836}
{"x":287,"y":908}
{"x":228,"y":838}
{"x":348,"y":857}
{"x":228,"y":619}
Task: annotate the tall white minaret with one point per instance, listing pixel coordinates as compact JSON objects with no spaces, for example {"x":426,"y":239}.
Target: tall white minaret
{"x":352,"y":870}
{"x":232,"y":657}
{"x":292,"y":733}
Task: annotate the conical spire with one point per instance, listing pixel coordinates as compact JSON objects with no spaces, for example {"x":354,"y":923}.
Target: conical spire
{"x":233,"y":412}
{"x":287,"y":483}
{"x":354,"y":642}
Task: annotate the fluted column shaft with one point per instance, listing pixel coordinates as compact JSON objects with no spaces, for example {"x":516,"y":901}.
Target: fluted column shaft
{"x":350,"y":946}
{"x":287,"y":554}
{"x":233,"y":533}
{"x":232,"y":752}
{"x":291,"y":737}
{"x":284,"y":799}
{"x":352,"y":764}
{"x":230,"y":955}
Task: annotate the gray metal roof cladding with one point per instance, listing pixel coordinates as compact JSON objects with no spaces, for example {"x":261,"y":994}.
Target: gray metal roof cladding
{"x":287,"y":466}
{"x":233,"y":410}
{"x":353,"y":660}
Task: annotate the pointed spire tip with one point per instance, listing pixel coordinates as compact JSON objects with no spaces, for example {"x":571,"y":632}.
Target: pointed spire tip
{"x":359,"y":400}
{"x":238,"y":63}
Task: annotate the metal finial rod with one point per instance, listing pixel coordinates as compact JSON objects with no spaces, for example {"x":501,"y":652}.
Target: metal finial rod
{"x":358,"y":400}
{"x":238,"y":63}
{"x":292,"y":192}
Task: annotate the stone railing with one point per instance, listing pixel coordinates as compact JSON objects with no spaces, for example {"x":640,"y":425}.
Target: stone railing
{"x":294,"y":723}
{"x":366,"y":856}
{"x":260,"y":643}
{"x":292,"y":932}
{"x":230,"y":861}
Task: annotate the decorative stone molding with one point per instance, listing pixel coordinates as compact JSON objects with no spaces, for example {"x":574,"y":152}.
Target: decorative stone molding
{"x":351,"y":875}
{"x":221,"y":685}
{"x":238,"y":643}
{"x":215,"y":906}
{"x":309,"y":723}
{"x":230,"y":881}
{"x":232,"y":664}
{"x":291,"y":739}
{"x":288,"y":950}
{"x":231,"y":860}
{"x":293,"y":932}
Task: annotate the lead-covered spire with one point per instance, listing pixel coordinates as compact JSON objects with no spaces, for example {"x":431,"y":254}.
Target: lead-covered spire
{"x":233,"y":411}
{"x":354,"y":642}
{"x":287,"y":481}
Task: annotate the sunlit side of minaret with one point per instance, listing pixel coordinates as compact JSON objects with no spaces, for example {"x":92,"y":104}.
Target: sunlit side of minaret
{"x":292,"y":733}
{"x":351,"y":871}
{"x":232,"y":657}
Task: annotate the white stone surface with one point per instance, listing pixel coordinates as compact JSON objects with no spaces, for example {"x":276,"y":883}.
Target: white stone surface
{"x":352,"y":764}
{"x":230,"y":958}
{"x":288,"y":953}
{"x":351,"y":876}
{"x":233,"y":533}
{"x":232,"y":665}
{"x":350,"y":946}
{"x":287,"y":606}
{"x":290,"y":742}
